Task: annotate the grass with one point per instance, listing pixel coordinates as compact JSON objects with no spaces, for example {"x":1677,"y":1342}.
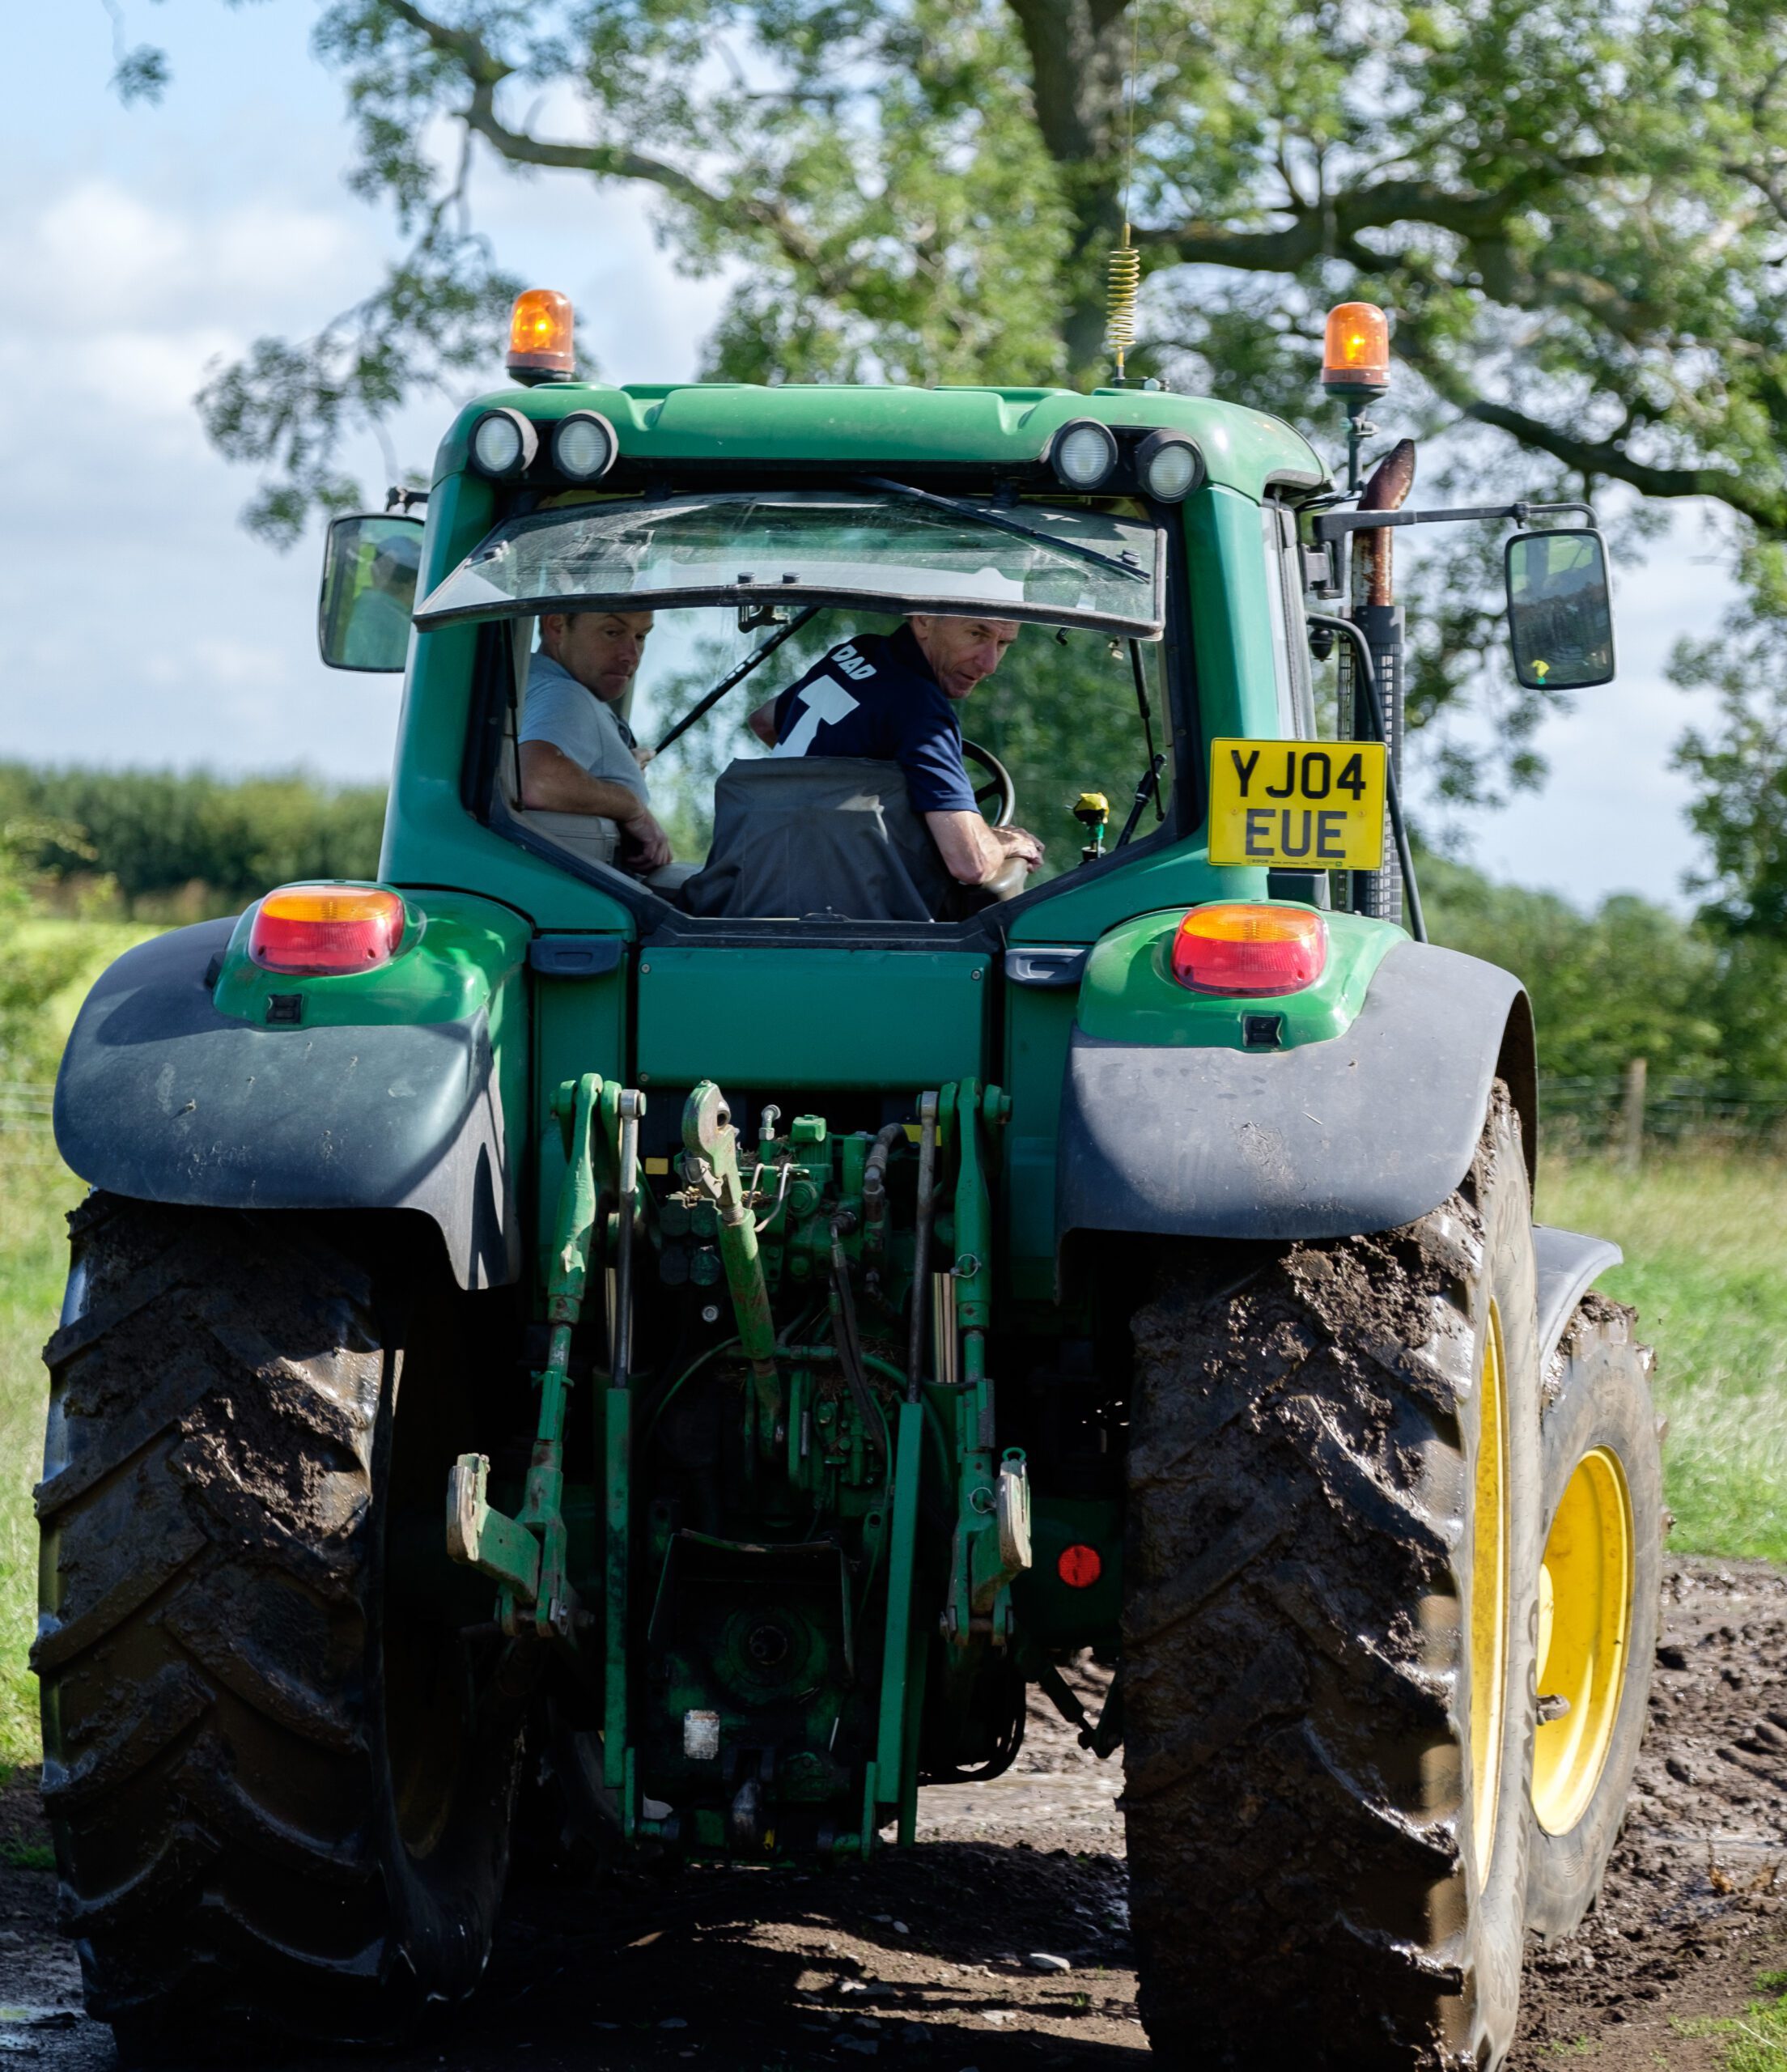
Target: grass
{"x":1756,"y":2040}
{"x":37,"y":1190}
{"x":1706,"y":1268}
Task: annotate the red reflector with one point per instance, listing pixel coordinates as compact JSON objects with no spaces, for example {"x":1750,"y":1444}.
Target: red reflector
{"x":326,"y":928}
{"x":1079,"y":1567}
{"x":1250,"y":950}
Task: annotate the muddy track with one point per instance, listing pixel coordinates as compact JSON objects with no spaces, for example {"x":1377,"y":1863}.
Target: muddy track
{"x":931,"y":1959}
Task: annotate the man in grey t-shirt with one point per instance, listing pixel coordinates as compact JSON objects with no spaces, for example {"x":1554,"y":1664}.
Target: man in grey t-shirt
{"x":577,"y":754}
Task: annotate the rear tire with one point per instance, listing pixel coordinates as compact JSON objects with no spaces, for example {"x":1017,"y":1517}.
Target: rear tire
{"x":277,"y":1779}
{"x":1328,"y":1644}
{"x":1603,"y":1472}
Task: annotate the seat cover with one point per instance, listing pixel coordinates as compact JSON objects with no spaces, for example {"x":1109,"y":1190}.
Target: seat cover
{"x":819,"y":835}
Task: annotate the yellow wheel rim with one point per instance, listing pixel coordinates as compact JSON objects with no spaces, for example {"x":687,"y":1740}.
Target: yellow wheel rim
{"x":1583,"y":1642}
{"x":1489,"y":1614}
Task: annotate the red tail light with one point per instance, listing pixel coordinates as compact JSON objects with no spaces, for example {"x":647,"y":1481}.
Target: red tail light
{"x":1079,"y":1566}
{"x":321,"y":929}
{"x":1250,"y":950}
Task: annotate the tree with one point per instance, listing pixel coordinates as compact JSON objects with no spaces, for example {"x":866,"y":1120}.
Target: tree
{"x":1739,"y":766}
{"x":1576,"y":213}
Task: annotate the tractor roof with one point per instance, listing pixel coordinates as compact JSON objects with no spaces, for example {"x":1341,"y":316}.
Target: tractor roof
{"x":886,"y":427}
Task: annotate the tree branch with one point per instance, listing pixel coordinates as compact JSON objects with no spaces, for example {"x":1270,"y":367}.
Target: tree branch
{"x":1320,"y":229}
{"x":1607,"y":457}
{"x":485,"y":73}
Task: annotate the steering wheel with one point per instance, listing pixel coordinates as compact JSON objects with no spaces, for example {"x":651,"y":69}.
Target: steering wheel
{"x":999,"y":784}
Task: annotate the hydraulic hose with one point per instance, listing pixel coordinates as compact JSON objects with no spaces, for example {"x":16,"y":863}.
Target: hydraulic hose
{"x":1368,"y":676}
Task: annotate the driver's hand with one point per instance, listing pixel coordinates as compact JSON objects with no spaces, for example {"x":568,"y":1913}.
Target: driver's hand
{"x":1019,"y":842}
{"x":653,"y":844}
{"x":643,"y":756}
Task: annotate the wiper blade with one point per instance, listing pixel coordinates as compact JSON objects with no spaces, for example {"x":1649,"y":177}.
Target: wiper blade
{"x":759,"y":654}
{"x":1000,"y":523}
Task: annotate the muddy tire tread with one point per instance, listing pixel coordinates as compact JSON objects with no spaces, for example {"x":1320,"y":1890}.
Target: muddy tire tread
{"x":1285,"y":1840}
{"x":207,"y":1773}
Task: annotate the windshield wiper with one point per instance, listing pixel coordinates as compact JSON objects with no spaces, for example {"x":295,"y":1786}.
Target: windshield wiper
{"x":737,"y":676}
{"x":1000,"y":523}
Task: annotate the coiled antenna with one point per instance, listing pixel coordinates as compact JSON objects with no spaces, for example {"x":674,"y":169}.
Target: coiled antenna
{"x":1124,"y":263}
{"x":1122,"y":285}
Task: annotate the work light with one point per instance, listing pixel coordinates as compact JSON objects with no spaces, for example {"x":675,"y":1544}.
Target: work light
{"x":583,"y":446}
{"x":1169,"y":466}
{"x":1083,"y":454}
{"x":503,"y":442}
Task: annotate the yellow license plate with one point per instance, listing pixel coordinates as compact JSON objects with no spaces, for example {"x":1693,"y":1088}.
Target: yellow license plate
{"x":1307,"y":805}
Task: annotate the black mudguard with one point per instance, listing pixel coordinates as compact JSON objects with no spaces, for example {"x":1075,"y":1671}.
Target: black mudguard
{"x":163,"y":1098}
{"x":1364,"y":1131}
{"x":1568,"y":1266}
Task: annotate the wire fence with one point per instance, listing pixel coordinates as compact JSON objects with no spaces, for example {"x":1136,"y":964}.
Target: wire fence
{"x":1622,"y":1111}
{"x":24,"y":1106}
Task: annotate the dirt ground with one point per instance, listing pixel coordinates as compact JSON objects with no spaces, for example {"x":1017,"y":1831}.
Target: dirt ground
{"x":1001,"y":1941}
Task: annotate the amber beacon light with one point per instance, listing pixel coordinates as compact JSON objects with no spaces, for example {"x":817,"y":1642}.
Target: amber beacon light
{"x":1356,"y":351}
{"x":540,"y":338}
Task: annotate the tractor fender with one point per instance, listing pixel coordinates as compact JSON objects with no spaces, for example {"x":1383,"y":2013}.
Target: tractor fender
{"x":1362,"y":1131}
{"x":1568,"y":1265}
{"x":162,"y":1097}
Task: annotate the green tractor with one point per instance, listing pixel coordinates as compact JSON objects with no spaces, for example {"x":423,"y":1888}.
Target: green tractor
{"x":722,"y":1334}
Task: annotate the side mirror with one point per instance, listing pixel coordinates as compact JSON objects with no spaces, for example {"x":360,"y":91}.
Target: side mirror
{"x":370,"y":567}
{"x":1560,"y":609}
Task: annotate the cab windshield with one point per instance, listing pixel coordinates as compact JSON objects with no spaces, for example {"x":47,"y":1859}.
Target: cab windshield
{"x":1061,"y":562}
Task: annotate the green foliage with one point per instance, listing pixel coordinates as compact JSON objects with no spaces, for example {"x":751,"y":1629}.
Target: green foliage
{"x":171,"y":841}
{"x":30,"y":971}
{"x":1739,"y":770}
{"x":1756,"y":2040}
{"x":1629,"y":980}
{"x":1573,"y":211}
{"x":1702,"y":1239}
{"x":39,"y":1191}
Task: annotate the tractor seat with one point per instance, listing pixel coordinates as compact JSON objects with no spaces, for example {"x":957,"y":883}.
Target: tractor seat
{"x":819,"y":838}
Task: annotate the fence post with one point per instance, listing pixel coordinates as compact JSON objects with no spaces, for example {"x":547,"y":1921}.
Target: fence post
{"x":1632,"y":1116}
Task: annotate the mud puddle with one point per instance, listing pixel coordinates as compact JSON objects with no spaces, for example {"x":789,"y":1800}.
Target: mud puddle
{"x":1002,"y":1941}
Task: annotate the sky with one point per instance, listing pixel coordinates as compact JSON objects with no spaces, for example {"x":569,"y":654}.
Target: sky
{"x":140,"y":625}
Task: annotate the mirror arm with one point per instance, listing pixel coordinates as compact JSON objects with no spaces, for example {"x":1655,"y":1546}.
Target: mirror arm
{"x":1368,"y":677}
{"x":1333,"y":525}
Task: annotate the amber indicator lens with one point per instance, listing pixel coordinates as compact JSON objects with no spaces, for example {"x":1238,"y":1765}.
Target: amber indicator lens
{"x":1356,"y":350}
{"x":540,"y":334}
{"x":324,"y":930}
{"x":1079,"y":1567}
{"x":1250,"y":952}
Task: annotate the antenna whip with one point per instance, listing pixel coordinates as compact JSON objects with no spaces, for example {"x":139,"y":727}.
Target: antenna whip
{"x":1124,"y":263}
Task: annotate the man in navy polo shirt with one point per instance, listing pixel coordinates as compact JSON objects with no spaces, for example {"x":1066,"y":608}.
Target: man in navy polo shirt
{"x":892,"y":697}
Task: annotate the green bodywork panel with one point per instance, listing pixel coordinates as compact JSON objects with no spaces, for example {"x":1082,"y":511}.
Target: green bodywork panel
{"x":848,"y":425}
{"x":456,"y":955}
{"x":899,"y":1019}
{"x":1128,"y":994}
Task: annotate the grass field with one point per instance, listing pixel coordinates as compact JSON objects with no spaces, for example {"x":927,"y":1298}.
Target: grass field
{"x":1706,"y":1267}
{"x":1705,"y":1242}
